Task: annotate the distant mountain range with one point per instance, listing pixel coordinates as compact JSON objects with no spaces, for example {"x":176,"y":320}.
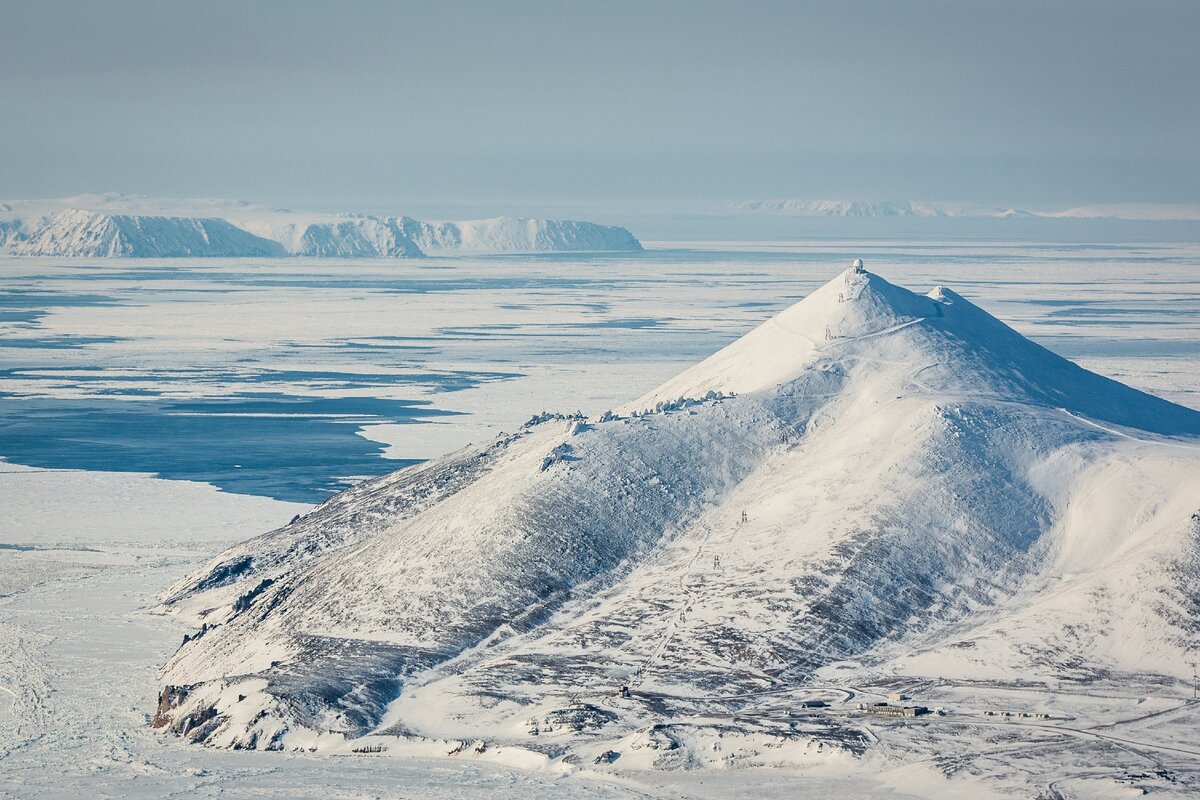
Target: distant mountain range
{"x":120,"y":226}
{"x":912,"y":208}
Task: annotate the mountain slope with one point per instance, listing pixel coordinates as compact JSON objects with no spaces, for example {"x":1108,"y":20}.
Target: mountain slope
{"x":870,"y":476}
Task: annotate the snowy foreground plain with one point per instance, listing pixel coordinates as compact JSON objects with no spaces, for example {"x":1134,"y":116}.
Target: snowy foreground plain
{"x":88,"y":553}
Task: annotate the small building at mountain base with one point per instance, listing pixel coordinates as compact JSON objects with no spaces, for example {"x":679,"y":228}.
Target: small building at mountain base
{"x":886,"y":710}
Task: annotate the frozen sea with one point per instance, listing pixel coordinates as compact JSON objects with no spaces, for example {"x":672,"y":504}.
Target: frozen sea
{"x":155,"y":411}
{"x":292,"y":379}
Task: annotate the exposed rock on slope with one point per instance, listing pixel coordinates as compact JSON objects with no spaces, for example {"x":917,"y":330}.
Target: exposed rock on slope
{"x":871,"y":473}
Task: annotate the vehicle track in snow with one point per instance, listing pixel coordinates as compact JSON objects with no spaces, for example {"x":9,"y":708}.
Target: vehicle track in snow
{"x":689,"y":595}
{"x":1125,"y":435}
{"x":23,"y":680}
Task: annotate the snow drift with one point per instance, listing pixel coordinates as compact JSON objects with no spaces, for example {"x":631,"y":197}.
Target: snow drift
{"x":871,"y":475}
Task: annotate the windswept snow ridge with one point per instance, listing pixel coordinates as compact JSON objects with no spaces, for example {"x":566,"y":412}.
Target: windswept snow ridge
{"x":112,"y":225}
{"x":872,"y":477}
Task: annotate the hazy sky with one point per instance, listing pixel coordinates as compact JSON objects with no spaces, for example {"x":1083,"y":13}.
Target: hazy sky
{"x":644,"y":102}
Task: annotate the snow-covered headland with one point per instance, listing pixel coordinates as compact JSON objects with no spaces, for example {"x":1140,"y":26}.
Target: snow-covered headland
{"x":1160,"y":212}
{"x":875,"y":491}
{"x":114,"y":225}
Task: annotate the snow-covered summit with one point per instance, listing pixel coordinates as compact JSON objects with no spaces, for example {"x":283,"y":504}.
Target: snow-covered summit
{"x":874,"y":479}
{"x":960,"y":348}
{"x":852,"y":305}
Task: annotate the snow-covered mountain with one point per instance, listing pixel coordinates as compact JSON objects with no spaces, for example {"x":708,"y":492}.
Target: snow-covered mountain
{"x":10,"y":231}
{"x":1141,"y":212}
{"x":519,"y":235}
{"x":109,"y":225}
{"x":871,"y":478}
{"x":387,"y":237}
{"x":863,"y":208}
{"x":74,"y":232}
{"x":345,"y":236}
{"x":1157,"y":212}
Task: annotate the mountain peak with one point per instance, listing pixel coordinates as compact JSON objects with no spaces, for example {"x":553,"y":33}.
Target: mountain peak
{"x":938,"y":345}
{"x":854,"y":305}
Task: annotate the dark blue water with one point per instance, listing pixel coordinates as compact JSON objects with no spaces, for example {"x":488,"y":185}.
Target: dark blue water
{"x":303,"y":456}
{"x":56,"y":342}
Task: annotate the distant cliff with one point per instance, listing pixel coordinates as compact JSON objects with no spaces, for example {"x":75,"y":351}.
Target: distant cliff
{"x":117,"y":226}
{"x":86,"y":233}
